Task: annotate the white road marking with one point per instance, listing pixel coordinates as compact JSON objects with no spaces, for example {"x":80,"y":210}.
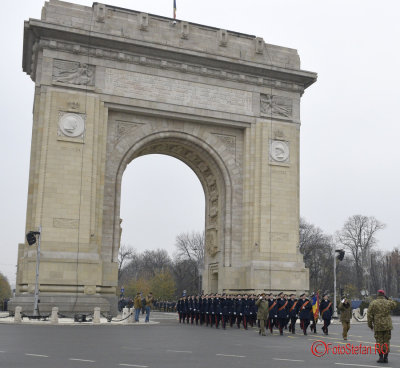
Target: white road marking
{"x":230,"y":355}
{"x":361,"y":365}
{"x":133,"y":365}
{"x":38,"y":355}
{"x":83,"y":360}
{"x":289,"y":360}
{"x":390,"y":353}
{"x":180,"y":351}
{"x":2,"y":351}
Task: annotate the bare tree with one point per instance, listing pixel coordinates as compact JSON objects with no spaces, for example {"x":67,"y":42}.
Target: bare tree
{"x":317,"y":253}
{"x":190,"y":247}
{"x":125,"y":254}
{"x":358,"y":236}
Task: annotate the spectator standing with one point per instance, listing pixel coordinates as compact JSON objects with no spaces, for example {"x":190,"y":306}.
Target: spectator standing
{"x":137,"y":303}
{"x":149,"y":305}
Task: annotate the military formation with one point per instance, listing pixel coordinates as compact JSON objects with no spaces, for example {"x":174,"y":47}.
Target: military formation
{"x":264,"y":311}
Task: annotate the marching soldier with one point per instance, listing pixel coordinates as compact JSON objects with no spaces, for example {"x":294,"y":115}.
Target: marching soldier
{"x":197,"y":309}
{"x":246,"y":310}
{"x":225,"y":309}
{"x":345,"y":316}
{"x":238,"y":310}
{"x":179,"y":309}
{"x":217,"y":310}
{"x":191,"y":308}
{"x":203,"y":305}
{"x":380,"y":321}
{"x":326,"y":311}
{"x":282,"y":313}
{"x":272,"y":312}
{"x":262,"y":313}
{"x":293,"y":311}
{"x":253,"y":310}
{"x":211,"y":310}
{"x":304,"y":312}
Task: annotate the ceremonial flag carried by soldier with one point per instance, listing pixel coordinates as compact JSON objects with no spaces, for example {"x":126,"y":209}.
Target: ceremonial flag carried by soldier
{"x":315,"y":305}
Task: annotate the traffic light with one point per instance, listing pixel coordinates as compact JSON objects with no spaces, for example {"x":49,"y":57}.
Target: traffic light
{"x":31,"y":237}
{"x":340,"y":256}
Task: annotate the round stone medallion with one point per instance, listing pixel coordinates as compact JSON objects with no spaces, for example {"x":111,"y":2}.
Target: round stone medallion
{"x":72,"y":125}
{"x":279,"y":151}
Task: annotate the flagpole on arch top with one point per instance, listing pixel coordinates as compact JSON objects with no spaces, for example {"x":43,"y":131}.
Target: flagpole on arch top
{"x":174,"y":12}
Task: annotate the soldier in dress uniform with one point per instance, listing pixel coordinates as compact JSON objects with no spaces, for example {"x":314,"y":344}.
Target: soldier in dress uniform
{"x":191,"y":308}
{"x":326,"y":311}
{"x":282,"y":313}
{"x":179,"y":309}
{"x":238,"y":310}
{"x":252,"y":309}
{"x":293,"y":311}
{"x":206,"y":309}
{"x":225,"y":310}
{"x":380,"y":321}
{"x":262,"y":313}
{"x":305,"y":310}
{"x":272,"y":312}
{"x":211,"y":311}
{"x":196,"y":309}
{"x":203,"y":305}
{"x":217,"y":310}
{"x":245,"y":310}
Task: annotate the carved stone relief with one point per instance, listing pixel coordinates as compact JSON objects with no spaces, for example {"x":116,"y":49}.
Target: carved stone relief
{"x":211,"y":242}
{"x":73,"y":73}
{"x":229,"y":141}
{"x":71,"y":125}
{"x":279,"y":151}
{"x":277,"y":106}
{"x":125,"y":128}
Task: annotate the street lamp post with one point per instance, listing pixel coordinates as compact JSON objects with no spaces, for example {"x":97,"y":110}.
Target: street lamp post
{"x":31,"y":238}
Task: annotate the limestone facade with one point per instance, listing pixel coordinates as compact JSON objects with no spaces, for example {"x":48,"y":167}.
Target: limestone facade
{"x":113,"y":84}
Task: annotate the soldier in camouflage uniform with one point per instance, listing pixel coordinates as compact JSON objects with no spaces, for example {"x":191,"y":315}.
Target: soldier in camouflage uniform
{"x":262,"y":313}
{"x":345,"y":316}
{"x":380,"y":321}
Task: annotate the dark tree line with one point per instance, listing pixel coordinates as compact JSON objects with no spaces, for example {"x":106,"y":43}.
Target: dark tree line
{"x":140,"y":271}
{"x":364,"y":266}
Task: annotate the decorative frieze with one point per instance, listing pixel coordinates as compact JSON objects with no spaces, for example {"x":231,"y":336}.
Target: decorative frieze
{"x":172,"y":65}
{"x":73,"y":72}
{"x":276,"y":106}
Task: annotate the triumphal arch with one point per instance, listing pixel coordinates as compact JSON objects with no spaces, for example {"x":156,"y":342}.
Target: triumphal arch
{"x":114,"y":84}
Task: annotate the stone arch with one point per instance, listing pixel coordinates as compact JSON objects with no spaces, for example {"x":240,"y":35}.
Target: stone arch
{"x":213,"y":168}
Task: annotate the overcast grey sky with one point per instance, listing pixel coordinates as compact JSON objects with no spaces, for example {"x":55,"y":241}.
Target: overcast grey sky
{"x":350,"y":155}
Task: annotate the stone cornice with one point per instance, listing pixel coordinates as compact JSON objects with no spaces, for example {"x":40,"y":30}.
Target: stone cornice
{"x":39,"y":34}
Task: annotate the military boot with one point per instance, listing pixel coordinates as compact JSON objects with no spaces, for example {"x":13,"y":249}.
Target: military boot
{"x":380,"y":360}
{"x":385,"y":358}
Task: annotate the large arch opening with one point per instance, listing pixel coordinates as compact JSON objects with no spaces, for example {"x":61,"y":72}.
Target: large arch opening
{"x":161,"y":199}
{"x":210,"y":170}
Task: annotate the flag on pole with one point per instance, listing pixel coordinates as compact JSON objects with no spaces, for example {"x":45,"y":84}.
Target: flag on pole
{"x":174,"y":9}
{"x":315,"y":305}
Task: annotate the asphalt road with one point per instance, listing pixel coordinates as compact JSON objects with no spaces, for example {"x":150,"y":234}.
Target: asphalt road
{"x":170,"y":344}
